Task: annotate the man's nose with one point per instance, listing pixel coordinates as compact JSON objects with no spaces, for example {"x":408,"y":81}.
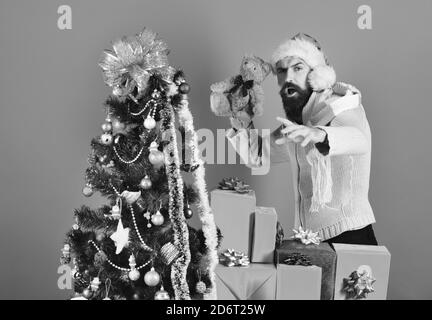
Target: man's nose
{"x":289,"y":76}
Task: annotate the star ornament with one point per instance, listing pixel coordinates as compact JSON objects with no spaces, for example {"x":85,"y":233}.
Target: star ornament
{"x":120,"y":237}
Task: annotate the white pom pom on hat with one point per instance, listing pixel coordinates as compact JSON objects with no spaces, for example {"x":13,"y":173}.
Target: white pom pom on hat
{"x":308,"y":49}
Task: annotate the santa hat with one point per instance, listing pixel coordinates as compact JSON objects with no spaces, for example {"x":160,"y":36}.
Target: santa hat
{"x":322,"y":75}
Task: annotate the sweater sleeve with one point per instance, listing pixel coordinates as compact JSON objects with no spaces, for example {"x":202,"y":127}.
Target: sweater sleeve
{"x":255,"y":149}
{"x":347,"y":133}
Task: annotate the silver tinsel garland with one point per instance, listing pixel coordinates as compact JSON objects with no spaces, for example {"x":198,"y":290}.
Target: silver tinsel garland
{"x":176,"y":207}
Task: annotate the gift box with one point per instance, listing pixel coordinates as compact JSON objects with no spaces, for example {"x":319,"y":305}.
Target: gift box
{"x":233,"y":215}
{"x":264,"y":235}
{"x":254,"y":282}
{"x":296,"y":282}
{"x":362,"y":272}
{"x":321,"y":255}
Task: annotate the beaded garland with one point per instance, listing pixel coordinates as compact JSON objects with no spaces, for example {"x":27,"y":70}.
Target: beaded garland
{"x":130,"y":161}
{"x":144,"y":245}
{"x":116,"y":266}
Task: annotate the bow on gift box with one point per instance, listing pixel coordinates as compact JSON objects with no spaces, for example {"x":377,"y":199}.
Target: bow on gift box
{"x":243,"y":85}
{"x":232,"y":258}
{"x":133,"y":61}
{"x":235,"y":184}
{"x":298,"y":259}
{"x":306,"y":236}
{"x":358,"y":284}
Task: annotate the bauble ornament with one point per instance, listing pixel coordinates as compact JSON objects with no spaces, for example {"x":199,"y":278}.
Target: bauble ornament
{"x":87,"y":191}
{"x":201,"y":287}
{"x":184,"y":88}
{"x":106,"y":139}
{"x":151,"y":278}
{"x":87,"y":293}
{"x":106,"y":127}
{"x":134,"y":274}
{"x":161,"y":294}
{"x":149,"y":123}
{"x":157,"y":219}
{"x":146,"y":183}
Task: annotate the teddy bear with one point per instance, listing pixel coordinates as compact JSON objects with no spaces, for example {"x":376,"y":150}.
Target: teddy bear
{"x":241,"y":96}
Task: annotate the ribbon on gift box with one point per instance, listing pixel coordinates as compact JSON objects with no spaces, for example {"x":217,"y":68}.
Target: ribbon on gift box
{"x":235,"y":184}
{"x":306,"y":236}
{"x":232,"y":258}
{"x":298,"y":259}
{"x":279,"y":235}
{"x":359,"y":283}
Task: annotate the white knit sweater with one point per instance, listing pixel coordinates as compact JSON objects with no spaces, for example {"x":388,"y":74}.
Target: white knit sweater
{"x":331,"y":192}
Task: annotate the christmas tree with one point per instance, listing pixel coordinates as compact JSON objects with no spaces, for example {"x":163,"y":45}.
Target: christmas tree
{"x":140,"y":246}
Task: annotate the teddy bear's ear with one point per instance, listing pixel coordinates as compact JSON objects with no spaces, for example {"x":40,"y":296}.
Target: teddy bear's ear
{"x":248,"y":56}
{"x":267,"y":68}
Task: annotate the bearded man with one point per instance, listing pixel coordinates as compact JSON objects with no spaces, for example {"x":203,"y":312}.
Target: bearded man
{"x":325,"y":137}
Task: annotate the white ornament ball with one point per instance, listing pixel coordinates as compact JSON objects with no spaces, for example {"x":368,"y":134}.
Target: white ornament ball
{"x":157,"y":219}
{"x":134,"y":274}
{"x":106,"y":127}
{"x":118,"y":125}
{"x":201,"y":287}
{"x":87,"y":191}
{"x":156,"y":158}
{"x":106,"y":138}
{"x":162,"y":294}
{"x":146,"y":183}
{"x":152,"y":278}
{"x":149,"y":123}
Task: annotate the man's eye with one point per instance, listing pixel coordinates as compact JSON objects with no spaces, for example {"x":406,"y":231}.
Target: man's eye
{"x":297,"y":69}
{"x":280,"y":70}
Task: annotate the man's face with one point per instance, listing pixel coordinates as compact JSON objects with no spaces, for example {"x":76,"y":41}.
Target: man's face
{"x":292,"y":74}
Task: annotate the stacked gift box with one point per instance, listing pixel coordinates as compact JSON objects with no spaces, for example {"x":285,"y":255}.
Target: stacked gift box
{"x":256,"y":265}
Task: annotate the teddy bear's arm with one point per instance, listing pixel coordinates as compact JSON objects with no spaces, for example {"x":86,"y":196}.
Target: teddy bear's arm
{"x":257,"y":100}
{"x":223,"y":86}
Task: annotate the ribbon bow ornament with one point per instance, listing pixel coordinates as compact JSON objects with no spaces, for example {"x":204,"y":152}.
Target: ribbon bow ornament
{"x":232,"y":258}
{"x":132,"y":62}
{"x":306,"y":236}
{"x":239,"y":83}
{"x":297,"y":259}
{"x":359,"y":284}
{"x":235,"y":184}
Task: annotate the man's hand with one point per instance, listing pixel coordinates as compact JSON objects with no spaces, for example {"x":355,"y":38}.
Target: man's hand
{"x":300,"y":133}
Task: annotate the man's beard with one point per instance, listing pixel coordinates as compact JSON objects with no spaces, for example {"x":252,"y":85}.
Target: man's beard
{"x":294,"y":99}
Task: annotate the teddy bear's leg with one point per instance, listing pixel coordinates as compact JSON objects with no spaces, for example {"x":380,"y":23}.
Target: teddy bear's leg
{"x":220,"y":105}
{"x":257,"y":100}
{"x":244,"y":117}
